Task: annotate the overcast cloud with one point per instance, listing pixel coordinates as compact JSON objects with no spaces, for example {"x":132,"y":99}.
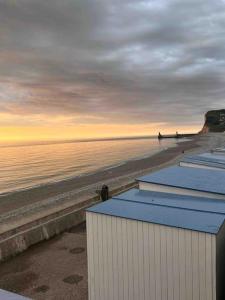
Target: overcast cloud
{"x":113,"y":61}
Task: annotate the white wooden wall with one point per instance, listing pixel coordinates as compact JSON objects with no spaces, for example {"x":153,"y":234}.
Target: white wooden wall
{"x":132,"y":260}
{"x":180,"y":191}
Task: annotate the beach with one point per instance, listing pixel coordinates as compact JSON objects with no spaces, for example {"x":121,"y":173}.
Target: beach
{"x":43,"y":200}
{"x":31,"y":165}
{"x":112,"y":176}
{"x":20,"y":208}
{"x":65,"y":275}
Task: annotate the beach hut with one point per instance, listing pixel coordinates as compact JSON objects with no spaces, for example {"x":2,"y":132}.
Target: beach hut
{"x":174,"y":200}
{"x":219,"y":151}
{"x":4,"y":295}
{"x":186,"y":181}
{"x":212,"y":155}
{"x":146,"y":245}
{"x":204,"y":161}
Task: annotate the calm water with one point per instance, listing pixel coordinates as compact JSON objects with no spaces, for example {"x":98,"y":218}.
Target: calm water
{"x":25,"y":166}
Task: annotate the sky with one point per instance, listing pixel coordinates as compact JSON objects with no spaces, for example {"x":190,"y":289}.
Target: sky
{"x":99,"y":68}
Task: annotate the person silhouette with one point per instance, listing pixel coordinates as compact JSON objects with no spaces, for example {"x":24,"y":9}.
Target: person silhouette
{"x":104,"y":194}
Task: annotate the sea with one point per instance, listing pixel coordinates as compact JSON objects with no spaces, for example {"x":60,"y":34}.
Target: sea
{"x":27,"y":165}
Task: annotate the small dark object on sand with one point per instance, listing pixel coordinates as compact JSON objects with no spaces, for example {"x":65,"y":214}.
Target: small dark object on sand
{"x":73,"y":279}
{"x":104,"y":193}
{"x":77,"y":250}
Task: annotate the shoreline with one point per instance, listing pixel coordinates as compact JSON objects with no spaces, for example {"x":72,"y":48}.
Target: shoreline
{"x":29,"y":275}
{"x":34,"y":216}
{"x":17,"y":199}
{"x":89,"y":173}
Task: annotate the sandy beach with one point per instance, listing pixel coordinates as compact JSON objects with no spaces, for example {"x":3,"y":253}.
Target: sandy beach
{"x":19,"y":199}
{"x":21,"y":207}
{"x":65,"y":275}
{"x":26,"y":203}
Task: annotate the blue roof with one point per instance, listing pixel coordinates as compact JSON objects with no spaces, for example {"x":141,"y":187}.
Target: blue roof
{"x":212,"y":156}
{"x":212,"y":181}
{"x":174,"y":200}
{"x":206,"y":159}
{"x":159,"y":214}
{"x":219,"y":150}
{"x":5,"y":295}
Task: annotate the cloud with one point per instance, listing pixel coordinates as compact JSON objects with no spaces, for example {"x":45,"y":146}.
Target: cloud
{"x":130,"y":61}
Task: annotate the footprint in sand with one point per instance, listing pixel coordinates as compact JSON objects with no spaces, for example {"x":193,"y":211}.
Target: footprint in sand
{"x":77,"y":250}
{"x":73,"y":279}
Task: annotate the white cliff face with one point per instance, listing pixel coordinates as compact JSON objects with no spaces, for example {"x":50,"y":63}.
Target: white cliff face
{"x":214,"y":121}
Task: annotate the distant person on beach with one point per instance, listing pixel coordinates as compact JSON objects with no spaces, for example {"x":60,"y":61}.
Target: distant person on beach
{"x":104,"y":194}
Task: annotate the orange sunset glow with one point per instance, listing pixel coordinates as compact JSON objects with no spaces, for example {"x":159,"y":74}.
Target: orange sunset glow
{"x":71,"y":70}
{"x":61,"y":132}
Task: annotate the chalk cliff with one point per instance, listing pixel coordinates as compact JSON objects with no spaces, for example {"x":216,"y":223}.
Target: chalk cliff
{"x":214,"y":121}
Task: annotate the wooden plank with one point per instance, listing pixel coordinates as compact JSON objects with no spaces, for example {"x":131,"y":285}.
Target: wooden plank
{"x":170,"y":266}
{"x":176,"y":266}
{"x":90,"y":245}
{"x":110,"y":257}
{"x":140,"y":259}
{"x":152,"y":261}
{"x":188,"y":264}
{"x":202,"y":268}
{"x":214,"y":266}
{"x":163,"y":262}
{"x":125,"y":259}
{"x":130,"y":260}
{"x":146,"y":261}
{"x":120,"y":257}
{"x":182,"y":264}
{"x":96,"y":256}
{"x":105,"y":257}
{"x":208,"y":267}
{"x":100,"y":258}
{"x":195,"y":265}
{"x":135,"y":260}
{"x":115,"y":260}
{"x":158,"y":262}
